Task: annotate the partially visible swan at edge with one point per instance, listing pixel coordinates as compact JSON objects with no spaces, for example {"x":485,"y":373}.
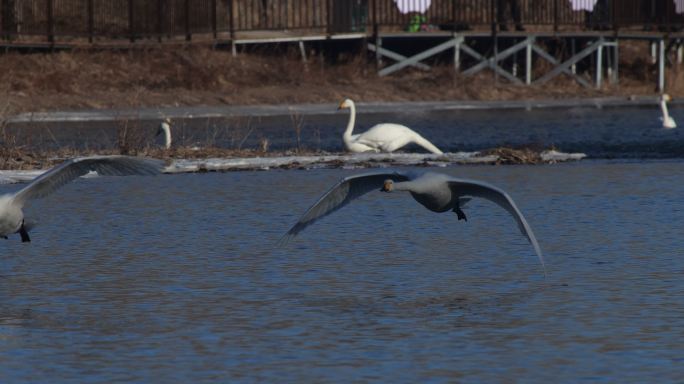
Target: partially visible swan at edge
{"x":11,"y":215}
{"x":668,"y":121}
{"x":381,"y":137}
{"x":435,"y":191}
{"x":165,"y":128}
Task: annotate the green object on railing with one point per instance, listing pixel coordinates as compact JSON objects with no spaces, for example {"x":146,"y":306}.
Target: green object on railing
{"x":416,"y":23}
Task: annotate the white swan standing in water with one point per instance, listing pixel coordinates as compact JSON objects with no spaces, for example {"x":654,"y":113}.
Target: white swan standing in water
{"x":165,"y":128}
{"x":382,"y":137}
{"x":435,"y":191}
{"x":668,"y":121}
{"x":11,"y":215}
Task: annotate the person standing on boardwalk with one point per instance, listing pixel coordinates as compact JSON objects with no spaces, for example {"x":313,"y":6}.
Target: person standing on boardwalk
{"x":515,"y":13}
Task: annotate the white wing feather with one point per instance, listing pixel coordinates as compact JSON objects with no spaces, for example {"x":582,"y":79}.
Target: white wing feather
{"x":71,"y":169}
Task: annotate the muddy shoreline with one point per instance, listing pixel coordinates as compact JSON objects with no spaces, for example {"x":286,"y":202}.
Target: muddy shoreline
{"x":188,"y":159}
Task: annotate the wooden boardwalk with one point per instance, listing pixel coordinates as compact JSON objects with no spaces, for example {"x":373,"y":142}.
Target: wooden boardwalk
{"x":509,"y":55}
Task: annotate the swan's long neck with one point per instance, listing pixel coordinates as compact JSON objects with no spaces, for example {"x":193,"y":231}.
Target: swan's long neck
{"x":350,"y":126}
{"x":402,"y":186}
{"x":167,"y":135}
{"x":663,"y":107}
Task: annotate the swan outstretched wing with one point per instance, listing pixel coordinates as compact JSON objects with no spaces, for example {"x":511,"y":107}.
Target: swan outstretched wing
{"x":71,"y":169}
{"x":340,"y":195}
{"x":472,"y":188}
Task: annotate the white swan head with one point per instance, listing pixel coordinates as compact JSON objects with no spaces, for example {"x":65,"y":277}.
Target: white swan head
{"x":387,"y":186}
{"x":345,"y":104}
{"x":665,"y":98}
{"x":165,"y":128}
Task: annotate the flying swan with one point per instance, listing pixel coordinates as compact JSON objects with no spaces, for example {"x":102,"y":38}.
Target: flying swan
{"x":11,"y":215}
{"x":382,"y":137}
{"x":668,"y":121}
{"x":435,"y":191}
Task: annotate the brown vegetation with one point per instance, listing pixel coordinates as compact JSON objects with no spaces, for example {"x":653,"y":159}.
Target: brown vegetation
{"x":202,"y":76}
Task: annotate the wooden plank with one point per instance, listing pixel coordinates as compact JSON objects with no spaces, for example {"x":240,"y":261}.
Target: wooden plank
{"x":395,"y":56}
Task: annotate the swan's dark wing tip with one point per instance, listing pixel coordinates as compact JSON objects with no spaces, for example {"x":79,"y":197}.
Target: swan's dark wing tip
{"x":285,"y":239}
{"x":342,"y":193}
{"x":71,"y":169}
{"x":500,"y":197}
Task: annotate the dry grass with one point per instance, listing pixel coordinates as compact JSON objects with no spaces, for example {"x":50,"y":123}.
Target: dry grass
{"x":201,"y":76}
{"x":515,"y":156}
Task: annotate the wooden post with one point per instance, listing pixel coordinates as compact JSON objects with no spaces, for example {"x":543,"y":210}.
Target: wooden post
{"x":661,"y":65}
{"x":599,"y":66}
{"x":495,"y":41}
{"x":8,"y":22}
{"x":492,"y":16}
{"x":458,"y":39}
{"x":91,"y":21}
{"x":3,"y":22}
{"x":375,"y":17}
{"x":329,"y":18}
{"x":187,"y":20}
{"x":214,"y":23}
{"x":231,"y":21}
{"x":160,"y":20}
{"x":50,"y":22}
{"x":528,"y":60}
{"x":555,"y":15}
{"x":616,"y":63}
{"x":131,"y":32}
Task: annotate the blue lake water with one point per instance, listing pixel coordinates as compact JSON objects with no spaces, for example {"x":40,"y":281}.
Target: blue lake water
{"x":177,"y":279}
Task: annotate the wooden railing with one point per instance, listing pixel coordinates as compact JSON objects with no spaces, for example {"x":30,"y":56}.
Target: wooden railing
{"x":145,"y":19}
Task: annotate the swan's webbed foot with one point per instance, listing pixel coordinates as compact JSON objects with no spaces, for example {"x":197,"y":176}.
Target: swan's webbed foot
{"x":24,"y":234}
{"x":460,"y":214}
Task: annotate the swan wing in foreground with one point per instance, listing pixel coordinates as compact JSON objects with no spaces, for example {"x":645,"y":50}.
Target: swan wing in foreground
{"x":340,"y":195}
{"x":473,"y":188}
{"x":71,"y":169}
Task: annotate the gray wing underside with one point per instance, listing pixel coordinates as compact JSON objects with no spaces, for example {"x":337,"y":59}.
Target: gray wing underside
{"x":71,"y":169}
{"x":474,"y":188}
{"x":344,"y":192}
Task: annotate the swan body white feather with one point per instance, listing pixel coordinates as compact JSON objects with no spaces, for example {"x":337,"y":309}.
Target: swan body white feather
{"x":11,"y":215}
{"x":386,"y":137}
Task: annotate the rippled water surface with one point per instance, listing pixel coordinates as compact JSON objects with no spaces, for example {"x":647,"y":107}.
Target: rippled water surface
{"x":176,"y":279}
